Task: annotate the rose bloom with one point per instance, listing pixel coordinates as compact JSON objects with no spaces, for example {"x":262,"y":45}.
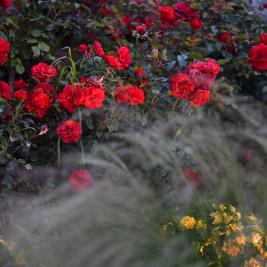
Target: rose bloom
{"x":69,"y":96}
{"x":69,"y":131}
{"x":91,"y":97}
{"x":20,"y":84}
{"x":191,"y":174}
{"x":21,"y":94}
{"x":4,"y":50}
{"x":83,"y":48}
{"x":124,"y":56}
{"x":99,"y":49}
{"x":43,"y":72}
{"x":48,"y":89}
{"x":258,"y":57}
{"x":196,"y":23}
{"x":140,"y":72}
{"x":226,"y":37}
{"x":114,"y":62}
{"x":5,"y":4}
{"x":263,"y":38}
{"x":181,"y":86}
{"x":203,"y":73}
{"x":167,"y":15}
{"x":184,"y":11}
{"x":81,"y":179}
{"x":131,"y":96}
{"x":38,"y":103}
{"x":199,"y":98}
{"x":141,"y":29}
{"x":5,"y":90}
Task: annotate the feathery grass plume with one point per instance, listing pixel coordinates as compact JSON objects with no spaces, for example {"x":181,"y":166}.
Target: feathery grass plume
{"x":140,"y":183}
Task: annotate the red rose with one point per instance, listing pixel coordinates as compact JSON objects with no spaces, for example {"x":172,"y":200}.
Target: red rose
{"x":99,"y":49}
{"x":140,"y":72}
{"x":184,"y":11}
{"x":167,"y":15}
{"x":263,"y":38}
{"x":38,"y":103}
{"x":91,"y":97}
{"x":225,"y":37}
{"x":81,"y":179}
{"x":5,"y":4}
{"x":20,"y":84}
{"x":199,"y":98}
{"x":114,"y":62}
{"x":124,"y":56}
{"x":258,"y":57}
{"x":48,"y":89}
{"x":5,"y":90}
{"x":203,"y":73}
{"x":21,"y":94}
{"x":83,"y":48}
{"x":4,"y":50}
{"x":181,"y":86}
{"x":141,"y":29}
{"x":131,"y":96}
{"x":43,"y":72}
{"x":69,"y":131}
{"x":192,"y":175}
{"x":68,"y":98}
{"x":196,"y":23}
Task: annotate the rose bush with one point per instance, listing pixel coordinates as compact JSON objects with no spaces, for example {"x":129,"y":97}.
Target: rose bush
{"x":114,"y":65}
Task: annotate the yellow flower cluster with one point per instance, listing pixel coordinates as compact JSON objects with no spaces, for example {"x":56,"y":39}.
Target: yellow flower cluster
{"x":223,"y":233}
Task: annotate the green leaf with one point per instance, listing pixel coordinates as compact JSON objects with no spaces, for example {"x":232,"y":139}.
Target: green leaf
{"x":36,"y":51}
{"x":44,"y":47}
{"x":20,"y":69}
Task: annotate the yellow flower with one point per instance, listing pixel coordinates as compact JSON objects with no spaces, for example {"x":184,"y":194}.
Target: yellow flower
{"x":241,"y":240}
{"x":236,"y":227}
{"x":252,"y":263}
{"x":231,"y":249}
{"x":188,"y":222}
{"x":201,"y":224}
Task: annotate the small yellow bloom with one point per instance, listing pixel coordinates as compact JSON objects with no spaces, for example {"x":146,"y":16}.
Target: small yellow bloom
{"x":256,"y":239}
{"x":231,"y":249}
{"x":265,"y":255}
{"x":236,"y":227}
{"x":188,"y":222}
{"x":252,"y":263}
{"x":241,"y":240}
{"x":217,"y":217}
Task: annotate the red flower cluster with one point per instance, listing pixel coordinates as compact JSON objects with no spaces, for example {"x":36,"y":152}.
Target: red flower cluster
{"x":180,"y":11}
{"x":43,"y":72}
{"x":5,"y":4}
{"x":131,"y":96}
{"x":4,"y":50}
{"x":69,"y":131}
{"x":5,"y":91}
{"x":192,"y":175}
{"x":258,"y":57}
{"x":194,"y":85}
{"x":137,"y":24}
{"x":76,"y":96}
{"x":48,"y":89}
{"x":81,"y":179}
{"x":119,"y":62}
{"x":227,"y":39}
